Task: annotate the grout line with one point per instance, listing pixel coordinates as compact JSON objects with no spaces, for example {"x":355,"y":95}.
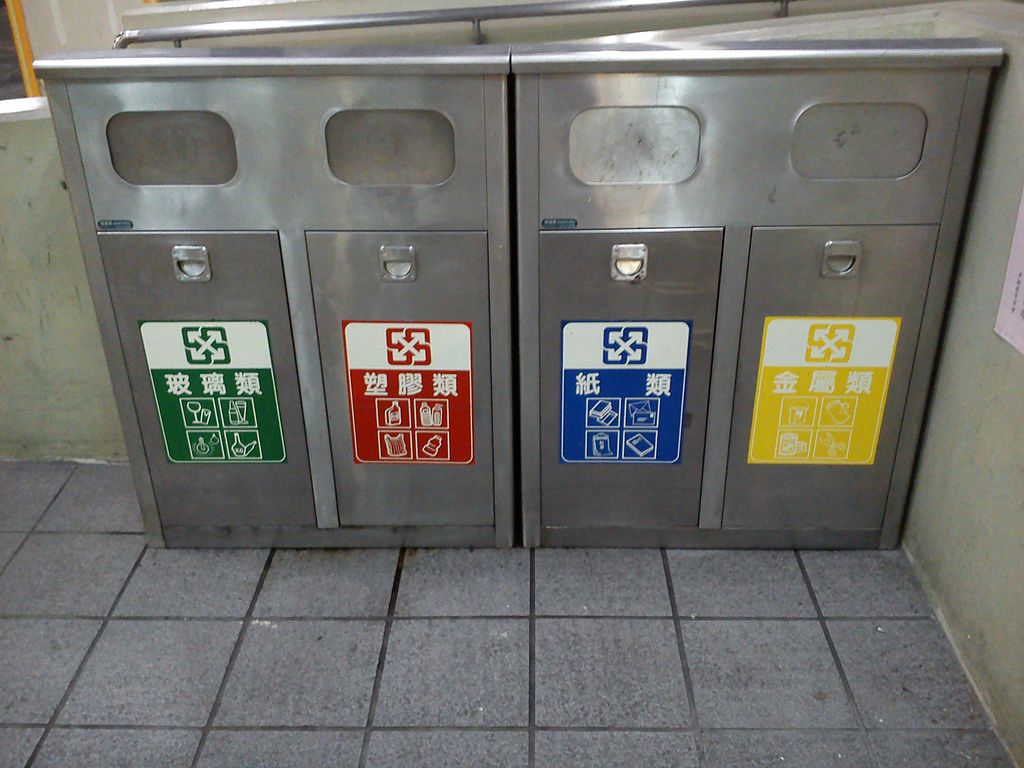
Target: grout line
{"x":532,"y":697}
{"x":379,"y":674}
{"x":464,"y":617}
{"x":691,"y":697}
{"x":246,"y":622}
{"x":39,"y":519}
{"x":847,"y":688}
{"x":88,"y":654}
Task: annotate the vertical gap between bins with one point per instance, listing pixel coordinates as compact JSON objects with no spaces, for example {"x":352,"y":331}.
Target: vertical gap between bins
{"x":835,"y":660}
{"x":246,"y":622}
{"x":88,"y":653}
{"x":691,"y":697}
{"x":379,"y":674}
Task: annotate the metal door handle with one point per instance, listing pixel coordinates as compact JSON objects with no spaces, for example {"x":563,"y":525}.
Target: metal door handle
{"x":398,"y":263}
{"x":840,"y":258}
{"x":629,"y":262}
{"x":191,"y":263}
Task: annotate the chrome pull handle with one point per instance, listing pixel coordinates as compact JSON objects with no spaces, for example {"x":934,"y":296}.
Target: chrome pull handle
{"x":629,"y":262}
{"x":397,"y":263}
{"x":841,"y":258}
{"x":191,"y":263}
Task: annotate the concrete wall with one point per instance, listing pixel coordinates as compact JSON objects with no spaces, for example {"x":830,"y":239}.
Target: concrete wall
{"x":965,"y":530}
{"x":55,"y":396}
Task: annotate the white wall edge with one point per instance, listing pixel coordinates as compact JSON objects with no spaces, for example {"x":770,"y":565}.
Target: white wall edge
{"x":16,"y":110}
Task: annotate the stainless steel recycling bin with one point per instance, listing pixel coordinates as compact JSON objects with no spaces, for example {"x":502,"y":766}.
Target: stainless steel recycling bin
{"x":300,"y":263}
{"x":733,"y":267}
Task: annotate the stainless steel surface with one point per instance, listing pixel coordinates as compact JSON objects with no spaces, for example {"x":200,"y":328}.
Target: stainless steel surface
{"x":746,"y":176}
{"x":667,"y":52}
{"x":249,"y":286}
{"x":276,"y":62}
{"x":831,"y":167}
{"x":451,"y":287}
{"x":681,"y":284}
{"x":282,"y":159}
{"x":784,"y":279}
{"x":278,"y":105}
{"x":191,"y":263}
{"x":943,"y":271}
{"x":472,"y":15}
{"x":74,"y":175}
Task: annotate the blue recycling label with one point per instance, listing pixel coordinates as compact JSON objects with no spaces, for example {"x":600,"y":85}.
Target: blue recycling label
{"x":624,"y":391}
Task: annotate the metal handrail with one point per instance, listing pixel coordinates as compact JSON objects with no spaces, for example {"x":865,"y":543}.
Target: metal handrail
{"x":474,"y":16}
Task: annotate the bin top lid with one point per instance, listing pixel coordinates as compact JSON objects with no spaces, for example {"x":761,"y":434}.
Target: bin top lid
{"x":159,"y":63}
{"x":668,"y":51}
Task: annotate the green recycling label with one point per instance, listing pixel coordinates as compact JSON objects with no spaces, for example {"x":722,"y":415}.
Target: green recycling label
{"x":215,"y":393}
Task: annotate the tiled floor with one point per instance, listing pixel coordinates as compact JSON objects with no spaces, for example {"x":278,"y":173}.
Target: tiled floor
{"x":118,"y":655}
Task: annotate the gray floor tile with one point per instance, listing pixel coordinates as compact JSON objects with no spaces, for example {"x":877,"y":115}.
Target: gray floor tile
{"x":59,"y":574}
{"x":152,"y":673}
{"x":623,"y":673}
{"x":28,"y":488}
{"x":462,"y":582}
{"x":329,"y":583}
{"x":8,"y":543}
{"x":281,"y":749}
{"x":99,"y":498}
{"x":939,"y":749}
{"x":16,"y":744}
{"x":792,"y":749}
{"x":106,"y":748}
{"x":739,"y":583}
{"x":303,"y":673}
{"x":193,"y":582}
{"x":764,"y":674}
{"x":592,"y":749}
{"x":448,"y":749}
{"x":601,"y":582}
{"x":40,"y":657}
{"x":904,"y":675}
{"x":865,"y":584}
{"x":456,"y":672}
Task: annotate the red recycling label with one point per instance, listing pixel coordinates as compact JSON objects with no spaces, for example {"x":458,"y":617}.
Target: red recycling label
{"x":410,"y":391}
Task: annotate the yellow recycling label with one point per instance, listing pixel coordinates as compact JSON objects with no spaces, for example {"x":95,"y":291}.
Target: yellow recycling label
{"x":821,"y":389}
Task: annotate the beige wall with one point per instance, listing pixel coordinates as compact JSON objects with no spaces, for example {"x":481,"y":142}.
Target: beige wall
{"x":55,"y":396}
{"x":965,"y":530}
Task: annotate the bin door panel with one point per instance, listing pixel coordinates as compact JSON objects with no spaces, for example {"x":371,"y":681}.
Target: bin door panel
{"x":213,"y":374}
{"x":625,"y":369}
{"x":402,"y":320}
{"x":830,"y":327}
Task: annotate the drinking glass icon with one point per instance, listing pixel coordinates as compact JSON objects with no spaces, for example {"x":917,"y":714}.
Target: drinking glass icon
{"x":393,"y":414}
{"x":201,"y":415}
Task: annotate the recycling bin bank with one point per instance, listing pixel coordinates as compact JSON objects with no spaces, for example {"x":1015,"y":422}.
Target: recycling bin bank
{"x":300,"y":264}
{"x":733,"y":267}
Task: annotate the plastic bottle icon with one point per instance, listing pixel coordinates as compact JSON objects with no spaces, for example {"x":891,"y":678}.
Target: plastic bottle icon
{"x":393,"y":414}
{"x":395,"y":445}
{"x":426,"y":415}
{"x":433,"y":446}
